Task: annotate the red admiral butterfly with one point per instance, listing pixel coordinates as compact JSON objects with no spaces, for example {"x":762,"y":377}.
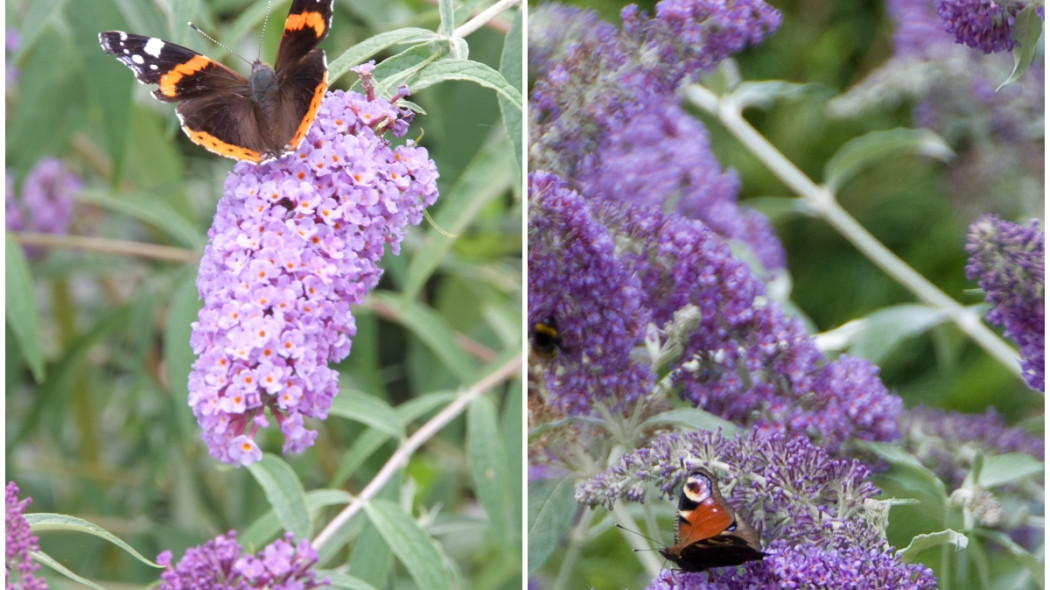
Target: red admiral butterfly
{"x":709,"y":533}
{"x":254,"y":119}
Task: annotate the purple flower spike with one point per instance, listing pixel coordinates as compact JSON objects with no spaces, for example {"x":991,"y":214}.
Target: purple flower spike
{"x":983,"y":24}
{"x":1008,"y":259}
{"x":577,"y":281}
{"x":46,"y":201}
{"x":295,"y":242}
{"x":220,"y":565}
{"x":19,"y":541}
{"x":820,"y":524}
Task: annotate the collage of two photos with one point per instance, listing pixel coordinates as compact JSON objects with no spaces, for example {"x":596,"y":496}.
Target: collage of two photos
{"x":691,"y":294}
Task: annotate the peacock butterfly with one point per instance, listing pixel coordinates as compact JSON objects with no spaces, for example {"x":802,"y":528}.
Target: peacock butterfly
{"x":709,"y":533}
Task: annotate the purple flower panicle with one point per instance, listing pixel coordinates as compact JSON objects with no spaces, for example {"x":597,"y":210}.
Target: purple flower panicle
{"x":45,"y":204}
{"x":946,"y":442}
{"x":820,"y":524}
{"x":1008,"y":260}
{"x":19,"y":542}
{"x":606,"y":271}
{"x":982,"y":24}
{"x":295,"y":242}
{"x":220,"y":565}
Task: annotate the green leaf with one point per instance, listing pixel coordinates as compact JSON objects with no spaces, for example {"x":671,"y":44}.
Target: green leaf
{"x":448,"y":18}
{"x":433,"y":331}
{"x":692,"y":418}
{"x":1033,"y":564}
{"x":1007,"y":468}
{"x":510,"y":67}
{"x":883,"y":330}
{"x":182,"y":312}
{"x":485,"y":179}
{"x":1028,"y":27}
{"x":41,"y":557}
{"x":920,"y":542}
{"x":284,"y":492}
{"x":21,"y":308}
{"x":866,"y":151}
{"x":364,"y":50}
{"x":412,"y":545}
{"x":33,"y":24}
{"x":267,"y":527}
{"x":487,"y":458}
{"x":763,"y":94}
{"x":341,"y":580}
{"x":917,"y":477}
{"x":149,"y":209}
{"x":471,"y":71}
{"x":371,"y":440}
{"x":552,"y":510}
{"x":46,"y":521}
{"x":369,"y":410}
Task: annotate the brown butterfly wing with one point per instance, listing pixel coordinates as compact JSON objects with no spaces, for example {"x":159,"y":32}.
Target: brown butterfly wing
{"x":710,"y":533}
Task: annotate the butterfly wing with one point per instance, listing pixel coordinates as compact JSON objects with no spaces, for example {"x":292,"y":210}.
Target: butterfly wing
{"x":709,"y":532}
{"x":307,"y":25}
{"x":301,"y":71}
{"x":215,"y":106}
{"x":181,"y":73}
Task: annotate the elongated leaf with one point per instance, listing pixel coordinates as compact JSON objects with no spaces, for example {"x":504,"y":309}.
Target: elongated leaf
{"x":364,"y":50}
{"x":21,"y":308}
{"x":487,"y":457}
{"x":1028,"y":27}
{"x":868,"y":150}
{"x":884,"y":329}
{"x":997,"y":470}
{"x":182,"y":312}
{"x":433,"y":330}
{"x":46,"y":521}
{"x":448,"y":18}
{"x":156,"y":212}
{"x":411,"y":545}
{"x":341,"y":580}
{"x":920,"y":542}
{"x":694,"y":419}
{"x":370,"y":410}
{"x":267,"y":527}
{"x":510,"y":67}
{"x":285,"y":493}
{"x":552,"y":510}
{"x":486,"y":178}
{"x":471,"y":71}
{"x":46,"y":559}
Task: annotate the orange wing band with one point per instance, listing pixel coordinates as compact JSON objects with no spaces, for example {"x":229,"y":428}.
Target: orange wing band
{"x":313,"y":20}
{"x":171,"y":79}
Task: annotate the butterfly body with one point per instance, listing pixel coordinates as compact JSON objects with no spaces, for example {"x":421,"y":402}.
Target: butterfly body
{"x":257,"y":118}
{"x":708,"y":532}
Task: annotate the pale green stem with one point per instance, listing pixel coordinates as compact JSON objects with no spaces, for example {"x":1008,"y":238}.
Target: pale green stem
{"x":400,"y":457}
{"x":823,"y":203}
{"x":483,"y":17}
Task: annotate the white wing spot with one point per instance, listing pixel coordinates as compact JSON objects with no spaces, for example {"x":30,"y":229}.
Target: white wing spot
{"x":138,"y":59}
{"x":153,"y":47}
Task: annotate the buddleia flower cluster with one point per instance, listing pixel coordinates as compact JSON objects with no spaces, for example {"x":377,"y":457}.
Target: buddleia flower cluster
{"x":45,"y":202}
{"x":1008,"y":261}
{"x":221,"y":564}
{"x":605,"y":272}
{"x":19,"y":541}
{"x":817,"y":515}
{"x":294,"y":244}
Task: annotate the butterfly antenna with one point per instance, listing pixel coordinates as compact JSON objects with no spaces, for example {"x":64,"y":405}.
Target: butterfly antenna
{"x":644,"y":536}
{"x":262,"y":33}
{"x":216,"y":41}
